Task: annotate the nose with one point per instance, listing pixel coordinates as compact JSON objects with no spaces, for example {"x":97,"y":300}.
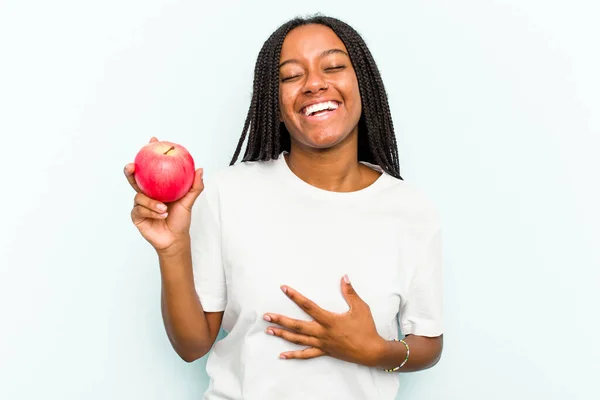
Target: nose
{"x":314,"y":83}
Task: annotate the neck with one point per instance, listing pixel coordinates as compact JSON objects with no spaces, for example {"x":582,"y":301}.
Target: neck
{"x":334,"y":169}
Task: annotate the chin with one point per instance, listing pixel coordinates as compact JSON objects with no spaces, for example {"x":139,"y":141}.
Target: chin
{"x":324,"y":143}
{"x":324,"y":140}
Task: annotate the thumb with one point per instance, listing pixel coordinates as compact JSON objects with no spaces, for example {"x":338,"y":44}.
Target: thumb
{"x":190,"y":197}
{"x":350,"y":295}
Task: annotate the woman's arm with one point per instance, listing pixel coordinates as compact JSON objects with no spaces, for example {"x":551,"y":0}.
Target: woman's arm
{"x":425,"y":352}
{"x":192,"y":331}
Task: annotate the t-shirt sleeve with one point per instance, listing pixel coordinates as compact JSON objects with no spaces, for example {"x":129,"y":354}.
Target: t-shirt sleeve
{"x":207,"y":263}
{"x":421,"y":312}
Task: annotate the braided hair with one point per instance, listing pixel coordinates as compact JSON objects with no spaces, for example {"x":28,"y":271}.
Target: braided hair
{"x":268,"y":136}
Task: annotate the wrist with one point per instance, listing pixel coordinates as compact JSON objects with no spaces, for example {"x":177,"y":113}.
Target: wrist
{"x":175,"y":263}
{"x":378,"y":353}
{"x":179,"y":246}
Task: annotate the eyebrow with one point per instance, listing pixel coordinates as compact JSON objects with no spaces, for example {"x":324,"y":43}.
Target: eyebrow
{"x":323,"y":54}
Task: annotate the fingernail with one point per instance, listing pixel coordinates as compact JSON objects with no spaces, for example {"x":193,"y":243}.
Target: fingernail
{"x":282,"y":357}
{"x":267,"y":318}
{"x":346,"y":279}
{"x":270,"y":332}
{"x":161,"y":207}
{"x":164,"y":215}
{"x":284,"y":289}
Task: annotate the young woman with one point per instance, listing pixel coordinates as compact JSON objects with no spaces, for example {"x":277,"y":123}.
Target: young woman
{"x":312,"y":252}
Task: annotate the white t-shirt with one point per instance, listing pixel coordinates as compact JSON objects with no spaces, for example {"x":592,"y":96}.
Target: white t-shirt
{"x":257,"y":226}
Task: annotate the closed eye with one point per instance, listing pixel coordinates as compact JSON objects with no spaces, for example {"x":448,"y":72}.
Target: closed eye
{"x":330,"y":69}
{"x":289,"y":78}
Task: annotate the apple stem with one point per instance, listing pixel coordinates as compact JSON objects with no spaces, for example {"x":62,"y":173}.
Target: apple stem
{"x":172,"y":148}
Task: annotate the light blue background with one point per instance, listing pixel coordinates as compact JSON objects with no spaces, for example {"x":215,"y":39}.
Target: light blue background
{"x":495,"y":105}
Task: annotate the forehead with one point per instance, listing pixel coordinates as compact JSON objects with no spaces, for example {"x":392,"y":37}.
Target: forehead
{"x":309,"y":41}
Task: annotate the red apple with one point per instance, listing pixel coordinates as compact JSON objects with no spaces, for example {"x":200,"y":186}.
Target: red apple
{"x":164,"y":171}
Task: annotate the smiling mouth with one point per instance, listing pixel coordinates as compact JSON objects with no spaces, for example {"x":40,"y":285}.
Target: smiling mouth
{"x":315,"y":110}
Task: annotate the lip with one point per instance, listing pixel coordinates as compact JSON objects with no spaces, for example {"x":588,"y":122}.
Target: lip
{"x":310,"y":103}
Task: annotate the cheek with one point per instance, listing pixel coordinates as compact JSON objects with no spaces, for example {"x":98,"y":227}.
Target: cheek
{"x":355,"y":96}
{"x":348,"y":86}
{"x":286,"y":104}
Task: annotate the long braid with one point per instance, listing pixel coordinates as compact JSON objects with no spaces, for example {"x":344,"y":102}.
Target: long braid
{"x":256,"y":134}
{"x":267,"y":136}
{"x":252,"y":117}
{"x":272,"y":145}
{"x":374,"y":99}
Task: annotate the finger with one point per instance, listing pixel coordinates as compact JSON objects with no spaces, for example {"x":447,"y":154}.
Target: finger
{"x":129,"y":171}
{"x":188,"y":200}
{"x":145,"y":201}
{"x":311,"y":308}
{"x":311,"y":352}
{"x":296,"y":338}
{"x":139,"y":213}
{"x":304,"y":327}
{"x":350,"y":295}
{"x":153,"y":139}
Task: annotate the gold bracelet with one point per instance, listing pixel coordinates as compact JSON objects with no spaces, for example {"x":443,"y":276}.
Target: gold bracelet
{"x":405,"y":360}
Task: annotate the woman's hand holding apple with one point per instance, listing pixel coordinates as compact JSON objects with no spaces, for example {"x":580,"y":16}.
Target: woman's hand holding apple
{"x":163,"y":226}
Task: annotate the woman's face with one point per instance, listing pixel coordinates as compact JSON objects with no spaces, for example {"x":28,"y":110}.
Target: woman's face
{"x":319,"y":99}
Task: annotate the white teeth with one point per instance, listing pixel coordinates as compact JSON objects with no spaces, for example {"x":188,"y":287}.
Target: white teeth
{"x":326,"y":105}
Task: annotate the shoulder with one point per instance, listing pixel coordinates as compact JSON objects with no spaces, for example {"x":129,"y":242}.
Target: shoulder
{"x":242,"y":171}
{"x":235,"y":183}
{"x":240,"y":178}
{"x":412,"y":200}
{"x":405,"y":196}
